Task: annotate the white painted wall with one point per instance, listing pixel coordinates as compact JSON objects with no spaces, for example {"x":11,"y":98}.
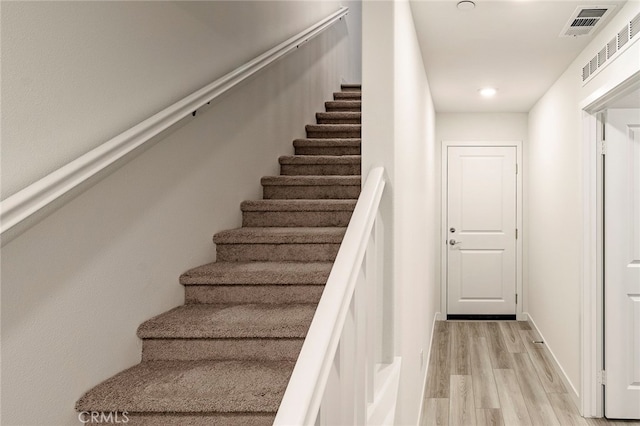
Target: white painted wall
{"x":481,"y":126}
{"x":556,"y":196}
{"x":76,"y":74}
{"x":76,"y":286}
{"x":415,"y":212}
{"x":378,"y":72}
{"x":398,"y":133}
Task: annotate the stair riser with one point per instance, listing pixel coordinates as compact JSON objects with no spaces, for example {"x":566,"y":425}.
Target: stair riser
{"x":313,"y":150}
{"x":329,"y":134}
{"x":323,"y":120}
{"x":320,"y":169}
{"x":220,"y":349}
{"x":320,"y":192}
{"x":202,"y":419}
{"x":277,"y":252}
{"x":351,"y":89}
{"x":285,"y":219}
{"x":275,"y":294}
{"x":351,"y":96}
{"x":341,"y":106}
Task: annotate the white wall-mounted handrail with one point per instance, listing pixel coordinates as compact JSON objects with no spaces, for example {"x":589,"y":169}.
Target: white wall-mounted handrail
{"x":304,"y":393}
{"x":35,"y":197}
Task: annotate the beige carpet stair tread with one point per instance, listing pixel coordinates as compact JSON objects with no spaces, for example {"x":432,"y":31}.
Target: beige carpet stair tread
{"x":255,"y":273}
{"x":334,"y":127}
{"x":343,"y":105}
{"x":347,"y":95}
{"x":347,"y":87}
{"x":202,"y":321}
{"x":346,"y":117}
{"x":200,"y":419}
{"x":320,"y":235}
{"x":333,"y":130}
{"x":192,"y":387}
{"x":339,"y":114}
{"x":319,"y":159}
{"x":297,"y":205}
{"x":336,"y":142}
{"x":310,"y":180}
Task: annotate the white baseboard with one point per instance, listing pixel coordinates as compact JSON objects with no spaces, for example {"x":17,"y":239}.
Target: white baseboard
{"x":436,"y":317}
{"x":573,"y":393}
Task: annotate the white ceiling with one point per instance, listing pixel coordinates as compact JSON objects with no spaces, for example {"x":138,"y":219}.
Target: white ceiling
{"x":511,"y":45}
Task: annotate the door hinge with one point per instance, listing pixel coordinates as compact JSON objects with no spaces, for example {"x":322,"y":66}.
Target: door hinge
{"x":516,"y":233}
{"x":516,"y":298}
{"x":516,"y":168}
{"x":603,"y":148}
{"x":602,"y":377}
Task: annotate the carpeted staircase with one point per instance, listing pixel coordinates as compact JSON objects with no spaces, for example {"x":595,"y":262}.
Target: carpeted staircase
{"x":225,"y":357}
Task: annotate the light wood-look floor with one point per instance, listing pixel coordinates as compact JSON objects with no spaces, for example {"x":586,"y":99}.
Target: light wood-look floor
{"x":491,"y":373}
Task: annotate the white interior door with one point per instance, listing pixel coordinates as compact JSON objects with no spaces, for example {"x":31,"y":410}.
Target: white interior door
{"x":622,"y":264}
{"x":481,"y":229}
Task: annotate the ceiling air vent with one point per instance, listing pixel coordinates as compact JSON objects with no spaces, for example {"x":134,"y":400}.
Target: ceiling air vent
{"x":585,"y":19}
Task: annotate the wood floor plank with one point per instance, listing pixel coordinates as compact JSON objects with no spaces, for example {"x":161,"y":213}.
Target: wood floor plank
{"x":461,"y":405}
{"x":431,"y":390}
{"x":500,"y":357}
{"x":511,"y":335}
{"x":460,"y":354}
{"x":484,"y":385}
{"x":439,"y":364}
{"x":546,"y":371}
{"x":436,"y":412}
{"x":514,"y":409}
{"x":528,"y":338}
{"x":565,"y":410}
{"x":535,"y":398}
{"x":489,"y":417}
{"x":475,"y":329}
{"x":524,"y":325}
{"x":529,"y":389}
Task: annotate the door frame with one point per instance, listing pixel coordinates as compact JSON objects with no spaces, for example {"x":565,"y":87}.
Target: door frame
{"x":519,"y":222}
{"x":592,"y":338}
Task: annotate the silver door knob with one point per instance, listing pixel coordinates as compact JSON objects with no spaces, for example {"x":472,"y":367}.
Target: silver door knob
{"x":453,"y":242}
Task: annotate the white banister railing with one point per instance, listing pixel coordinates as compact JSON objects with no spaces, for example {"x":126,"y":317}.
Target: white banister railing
{"x":56,"y":186}
{"x":333,"y":381}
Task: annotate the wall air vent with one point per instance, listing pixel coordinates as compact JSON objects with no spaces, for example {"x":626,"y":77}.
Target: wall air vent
{"x":612,"y":47}
{"x":586,"y":72}
{"x":634,"y":26}
{"x":585,"y":19}
{"x":625,"y":38}
{"x":602,"y":56}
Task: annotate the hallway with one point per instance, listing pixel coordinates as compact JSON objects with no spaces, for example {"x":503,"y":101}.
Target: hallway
{"x":492,"y":373}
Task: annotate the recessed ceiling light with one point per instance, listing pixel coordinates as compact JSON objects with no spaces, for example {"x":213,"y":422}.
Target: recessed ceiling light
{"x":488,"y":92}
{"x":466,"y":5}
